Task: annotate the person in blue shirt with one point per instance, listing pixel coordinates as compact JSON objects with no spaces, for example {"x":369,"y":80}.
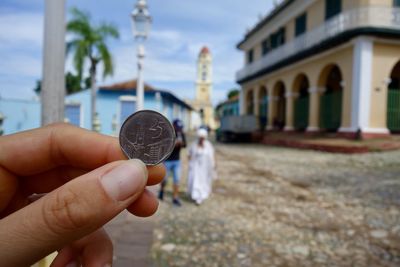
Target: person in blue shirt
{"x":173,"y":164}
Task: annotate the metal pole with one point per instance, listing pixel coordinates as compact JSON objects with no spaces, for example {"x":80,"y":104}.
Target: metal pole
{"x":53,"y":85}
{"x":93,"y":93}
{"x":140,"y":82}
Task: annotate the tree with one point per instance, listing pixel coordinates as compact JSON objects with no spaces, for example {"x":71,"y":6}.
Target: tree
{"x":232,"y":93}
{"x":89,"y":44}
{"x":72,"y":84}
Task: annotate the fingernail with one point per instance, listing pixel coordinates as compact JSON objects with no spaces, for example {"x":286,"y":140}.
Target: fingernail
{"x":125,"y":180}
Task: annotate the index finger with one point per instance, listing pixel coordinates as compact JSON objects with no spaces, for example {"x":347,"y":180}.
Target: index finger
{"x":42,"y":149}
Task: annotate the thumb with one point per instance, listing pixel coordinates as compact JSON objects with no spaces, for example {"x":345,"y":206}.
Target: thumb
{"x":70,"y":212}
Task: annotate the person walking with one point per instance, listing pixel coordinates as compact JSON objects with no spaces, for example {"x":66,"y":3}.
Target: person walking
{"x":201,"y":167}
{"x":173,"y":164}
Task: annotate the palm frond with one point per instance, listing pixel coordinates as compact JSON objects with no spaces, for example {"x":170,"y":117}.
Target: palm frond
{"x":71,"y":45}
{"x":90,"y":42}
{"x":79,"y":15}
{"x":79,"y":28}
{"x":105,"y":56}
{"x":79,"y":57}
{"x":107,"y":29}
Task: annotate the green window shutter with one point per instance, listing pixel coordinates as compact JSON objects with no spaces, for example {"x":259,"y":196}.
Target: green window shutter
{"x":281,"y":36}
{"x":393,"y":110}
{"x":250,"y":56}
{"x":301,"y":24}
{"x":274,"y":41}
{"x":332,"y":8}
{"x":265,"y":46}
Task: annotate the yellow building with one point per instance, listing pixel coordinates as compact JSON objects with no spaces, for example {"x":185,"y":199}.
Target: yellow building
{"x":325,"y":65}
{"x":202,"y":103}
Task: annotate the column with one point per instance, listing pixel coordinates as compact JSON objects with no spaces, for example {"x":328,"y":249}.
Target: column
{"x":313,"y":115}
{"x":242,"y":102}
{"x":53,"y":86}
{"x":271,"y":104}
{"x":256,"y":102}
{"x":289,"y":98}
{"x":361,"y":87}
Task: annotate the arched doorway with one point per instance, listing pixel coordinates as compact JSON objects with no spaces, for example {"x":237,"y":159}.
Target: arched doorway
{"x":331,"y":100}
{"x":302,"y":102}
{"x":393,"y":102}
{"x":250,"y":102}
{"x":279,"y":119}
{"x":263,"y":106}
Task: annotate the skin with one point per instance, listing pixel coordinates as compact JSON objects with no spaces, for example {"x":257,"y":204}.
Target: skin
{"x":63,"y":164}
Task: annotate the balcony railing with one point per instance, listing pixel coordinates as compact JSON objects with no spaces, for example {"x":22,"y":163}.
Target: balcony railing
{"x":378,"y":17}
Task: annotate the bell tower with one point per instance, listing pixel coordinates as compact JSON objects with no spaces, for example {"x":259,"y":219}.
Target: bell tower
{"x":202,"y":101}
{"x":204,"y":76}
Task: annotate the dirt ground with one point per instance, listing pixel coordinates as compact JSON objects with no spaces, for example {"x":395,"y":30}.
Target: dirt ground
{"x":285,"y":207}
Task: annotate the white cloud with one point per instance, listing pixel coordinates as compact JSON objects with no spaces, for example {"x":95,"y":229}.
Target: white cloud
{"x":179,"y":30}
{"x":21,"y":29}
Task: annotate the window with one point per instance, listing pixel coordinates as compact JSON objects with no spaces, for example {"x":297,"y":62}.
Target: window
{"x":73,"y":113}
{"x":128,"y":106}
{"x":280,"y":36}
{"x":266,"y":46}
{"x":332,"y":8}
{"x":274,"y":40}
{"x":301,"y":24}
{"x":203,"y":76}
{"x":396,"y":3}
{"x":250,"y":56}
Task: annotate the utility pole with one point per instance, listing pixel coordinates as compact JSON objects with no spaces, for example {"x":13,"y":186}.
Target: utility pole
{"x":53,"y":85}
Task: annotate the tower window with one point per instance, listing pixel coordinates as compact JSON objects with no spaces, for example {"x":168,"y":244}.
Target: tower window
{"x":203,"y":75}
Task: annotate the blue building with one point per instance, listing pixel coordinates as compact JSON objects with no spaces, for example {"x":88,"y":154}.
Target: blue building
{"x":229,"y":107}
{"x":114,"y":104}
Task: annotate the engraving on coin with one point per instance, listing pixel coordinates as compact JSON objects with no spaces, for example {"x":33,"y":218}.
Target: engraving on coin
{"x":147,"y":135}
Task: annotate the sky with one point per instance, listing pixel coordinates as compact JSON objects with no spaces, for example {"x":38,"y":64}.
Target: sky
{"x":179,"y":30}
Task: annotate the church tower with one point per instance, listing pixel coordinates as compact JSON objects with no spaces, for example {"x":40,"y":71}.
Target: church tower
{"x":202,"y":102}
{"x":204,"y":76}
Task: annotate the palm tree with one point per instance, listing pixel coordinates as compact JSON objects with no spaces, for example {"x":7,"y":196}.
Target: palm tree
{"x":89,"y":45}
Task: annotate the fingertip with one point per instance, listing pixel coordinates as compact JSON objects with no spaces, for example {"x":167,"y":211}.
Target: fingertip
{"x":156,"y":174}
{"x":145,"y":206}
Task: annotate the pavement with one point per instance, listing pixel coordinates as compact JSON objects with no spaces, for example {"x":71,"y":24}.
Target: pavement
{"x":329,"y":142}
{"x":132,"y":238}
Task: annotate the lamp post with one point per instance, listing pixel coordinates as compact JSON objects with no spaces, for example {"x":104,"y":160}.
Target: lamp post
{"x":141,"y":21}
{"x":53,"y":86}
{"x":1,"y":123}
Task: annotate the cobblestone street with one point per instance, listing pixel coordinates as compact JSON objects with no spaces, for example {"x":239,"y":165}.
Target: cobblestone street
{"x":284,"y":207}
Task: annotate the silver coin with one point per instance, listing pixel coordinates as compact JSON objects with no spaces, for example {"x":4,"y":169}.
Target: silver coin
{"x":147,"y":135}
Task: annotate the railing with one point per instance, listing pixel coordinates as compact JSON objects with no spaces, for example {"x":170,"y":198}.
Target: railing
{"x":379,"y":17}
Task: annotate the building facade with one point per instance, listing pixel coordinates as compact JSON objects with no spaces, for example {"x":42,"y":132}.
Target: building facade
{"x":202,"y":103}
{"x":325,"y":65}
{"x":114,"y":104}
{"x":229,"y":107}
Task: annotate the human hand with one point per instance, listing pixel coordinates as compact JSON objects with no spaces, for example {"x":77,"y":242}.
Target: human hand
{"x":88,"y":182}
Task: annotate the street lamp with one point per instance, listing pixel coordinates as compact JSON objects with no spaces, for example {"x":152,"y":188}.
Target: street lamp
{"x":1,"y":123}
{"x":141,"y":21}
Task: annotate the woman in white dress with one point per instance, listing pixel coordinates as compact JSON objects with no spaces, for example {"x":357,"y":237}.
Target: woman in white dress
{"x":201,"y":167}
